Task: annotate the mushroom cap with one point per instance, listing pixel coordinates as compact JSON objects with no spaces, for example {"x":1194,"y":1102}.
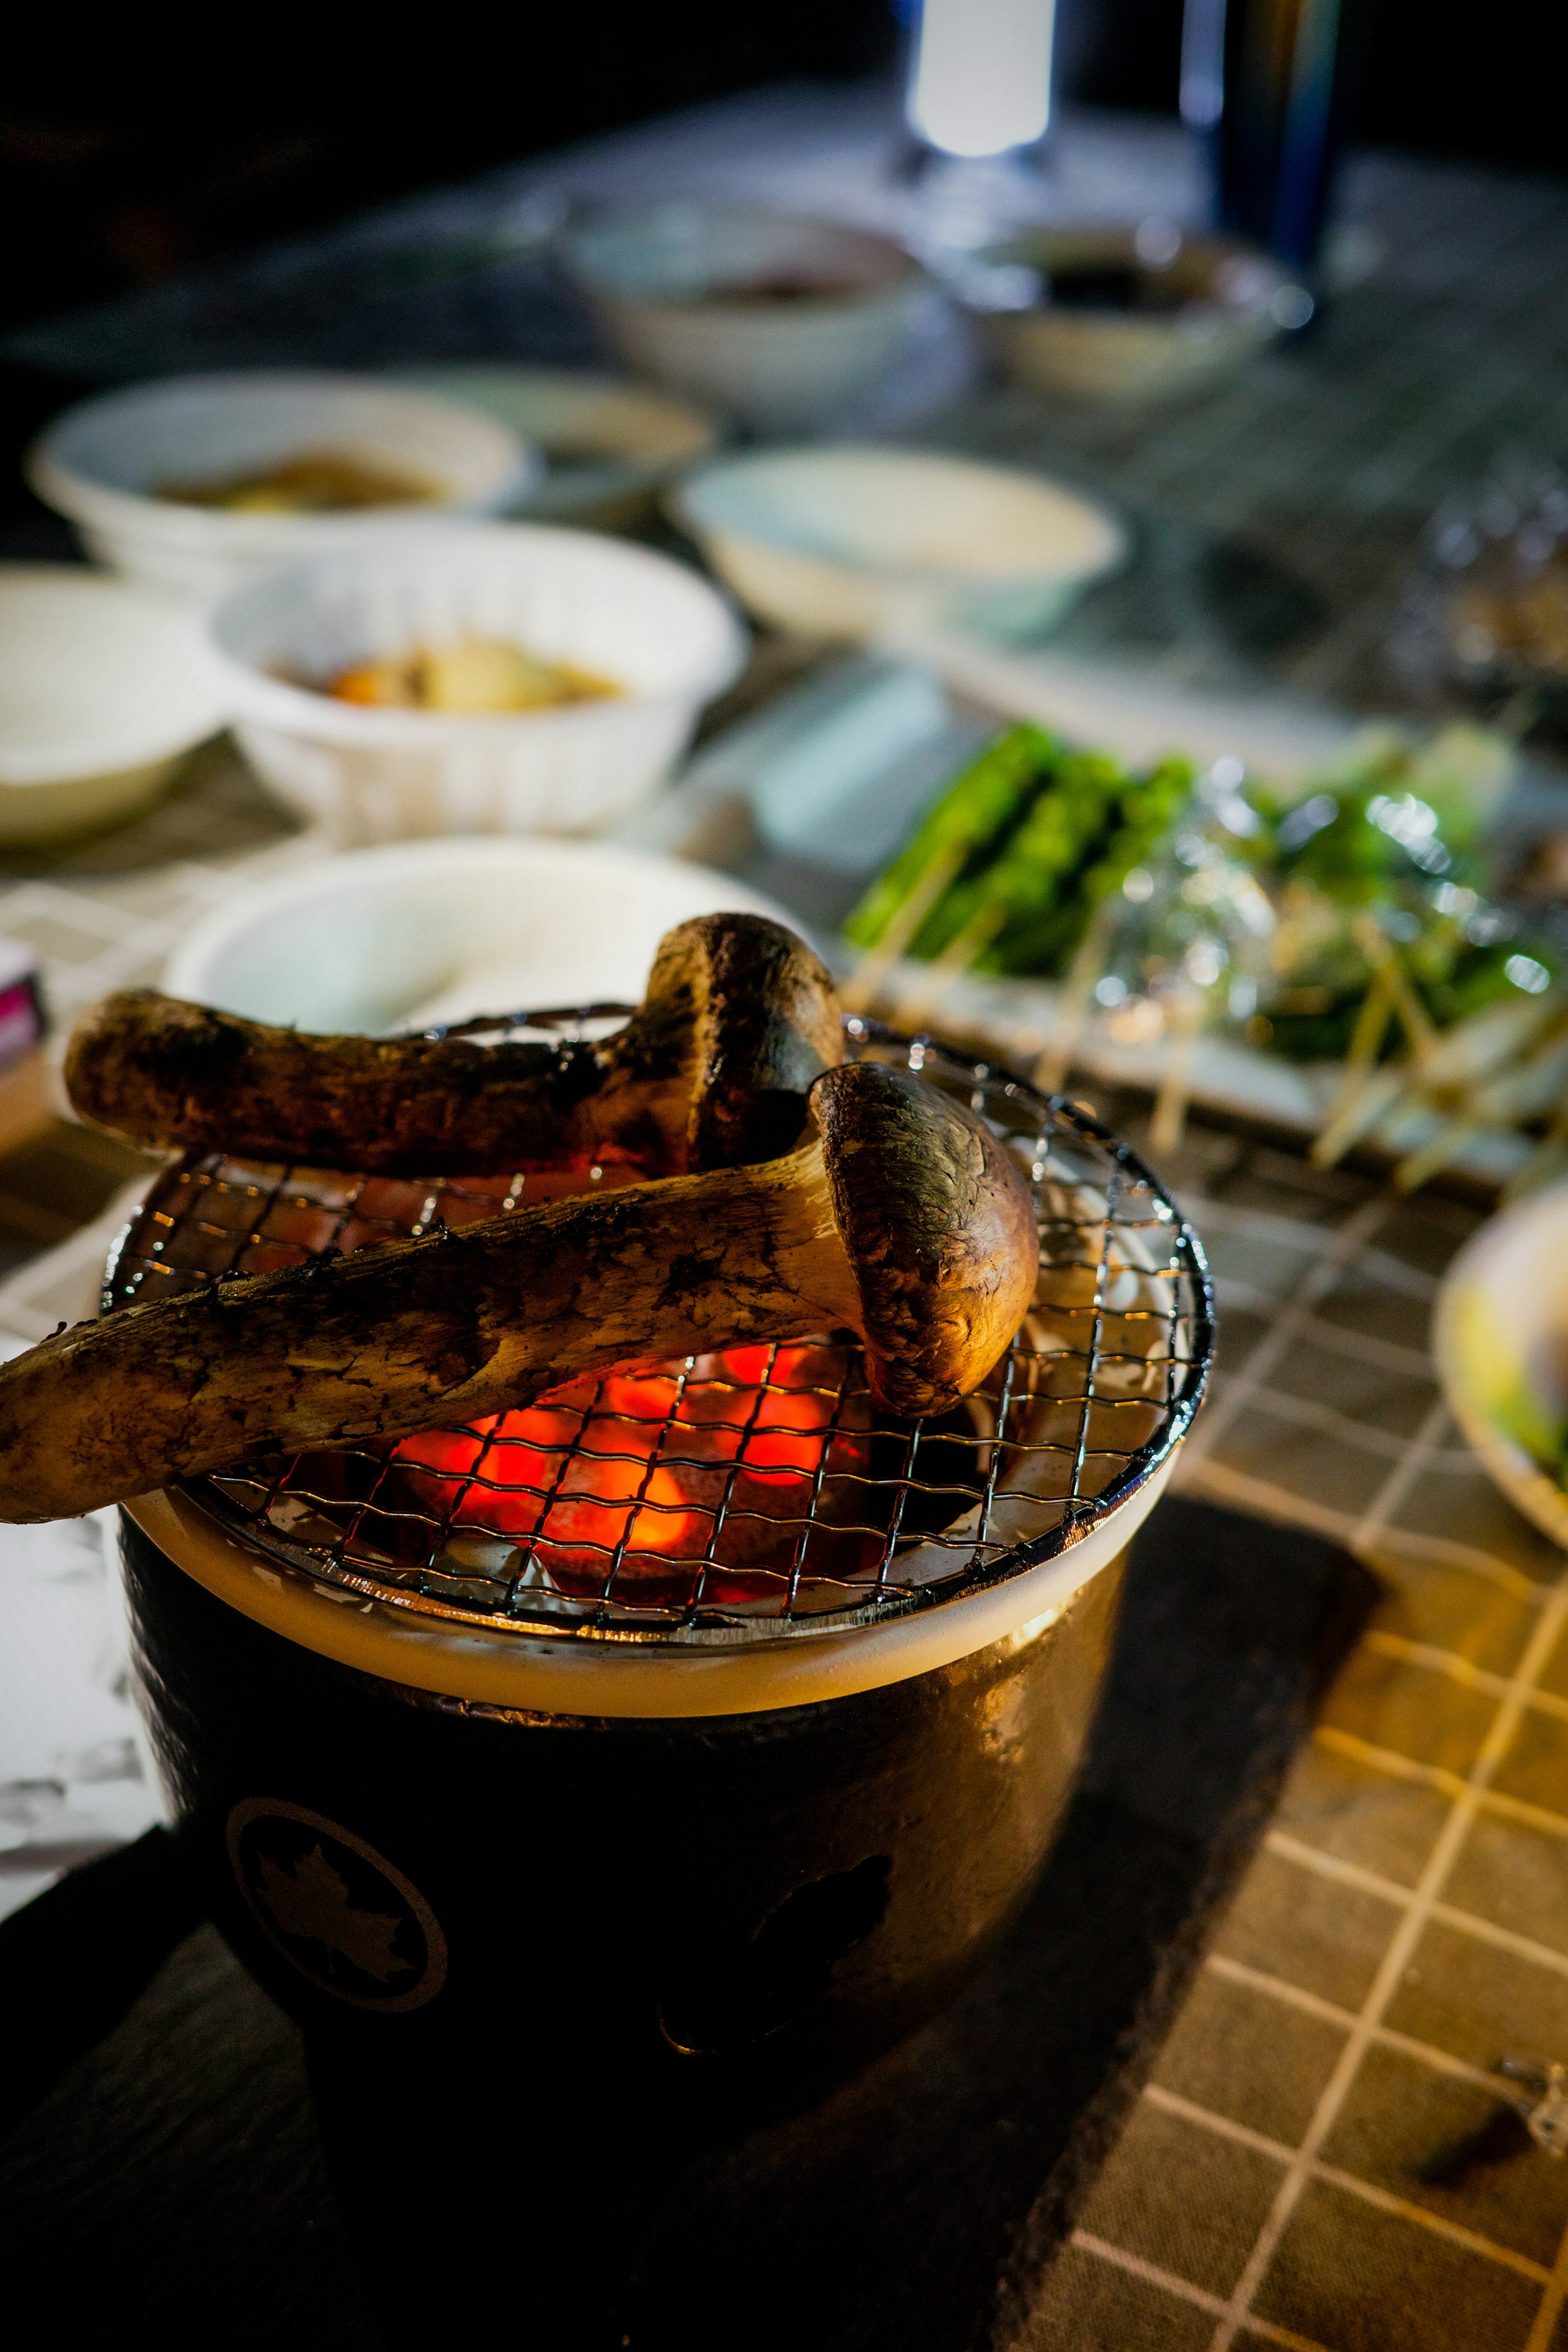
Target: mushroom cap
{"x":746,"y":1010}
{"x":937,"y":1222}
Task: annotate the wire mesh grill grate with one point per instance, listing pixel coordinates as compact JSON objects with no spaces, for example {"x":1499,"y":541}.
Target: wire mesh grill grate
{"x":749,"y":1493}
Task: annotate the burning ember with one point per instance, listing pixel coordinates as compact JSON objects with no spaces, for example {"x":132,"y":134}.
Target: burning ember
{"x":736,"y":1477}
{"x":652,"y":1474}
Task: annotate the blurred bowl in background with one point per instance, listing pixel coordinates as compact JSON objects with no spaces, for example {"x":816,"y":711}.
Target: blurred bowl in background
{"x":1130,"y":312}
{"x":104,"y":691}
{"x":776,"y":320}
{"x":609,"y":446}
{"x":851,"y":542}
{"x":370,"y":772}
{"x":103,"y":463}
{"x":424,"y":932}
{"x":1500,"y":1336}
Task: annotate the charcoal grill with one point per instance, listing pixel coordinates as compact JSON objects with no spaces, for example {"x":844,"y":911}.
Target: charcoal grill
{"x":739,"y":1497}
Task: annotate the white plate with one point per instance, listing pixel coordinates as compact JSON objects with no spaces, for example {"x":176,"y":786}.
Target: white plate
{"x":428,"y":931}
{"x":1500,"y":1337}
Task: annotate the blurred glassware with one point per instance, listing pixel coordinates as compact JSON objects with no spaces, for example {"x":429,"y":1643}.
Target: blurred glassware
{"x":1269,"y":83}
{"x":777,"y":320}
{"x":980,"y":80}
{"x":1126,"y":312}
{"x":1488,"y":612}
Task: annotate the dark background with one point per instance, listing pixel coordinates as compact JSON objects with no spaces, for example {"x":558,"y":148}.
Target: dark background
{"x":127,"y":154}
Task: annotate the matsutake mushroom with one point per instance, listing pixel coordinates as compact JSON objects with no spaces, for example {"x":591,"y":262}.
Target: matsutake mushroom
{"x":711,"y":1071}
{"x":903,"y":1219}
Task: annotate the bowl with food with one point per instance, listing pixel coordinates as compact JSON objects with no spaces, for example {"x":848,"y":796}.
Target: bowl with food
{"x":1500,"y":1339}
{"x":195,"y":483}
{"x":850,"y":542}
{"x":663,"y":1567}
{"x":104,"y":691}
{"x":493,"y":678}
{"x":607,"y":446}
{"x":777,"y":320}
{"x":1127,"y":313}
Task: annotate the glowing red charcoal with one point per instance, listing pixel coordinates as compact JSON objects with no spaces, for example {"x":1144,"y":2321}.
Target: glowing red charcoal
{"x":712,"y":1468}
{"x":522,"y":1475}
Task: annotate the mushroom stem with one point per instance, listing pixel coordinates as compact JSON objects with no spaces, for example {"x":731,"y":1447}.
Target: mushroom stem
{"x":713,"y":1070}
{"x":903,"y":1220}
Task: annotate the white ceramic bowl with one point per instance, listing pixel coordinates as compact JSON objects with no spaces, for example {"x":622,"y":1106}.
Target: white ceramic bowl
{"x":1500,"y":1337}
{"x":367,"y":775}
{"x":1226,"y":302}
{"x":101,"y":464}
{"x":430,"y":932}
{"x":680,"y":289}
{"x":103,"y":690}
{"x":852,"y":542}
{"x":608,"y":447}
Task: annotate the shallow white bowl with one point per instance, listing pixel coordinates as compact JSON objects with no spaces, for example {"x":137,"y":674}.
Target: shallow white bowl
{"x":670,"y":281}
{"x":1500,"y":1337}
{"x":608,"y":445}
{"x":103,"y":690}
{"x":851,"y":542}
{"x":648,"y":625}
{"x":101,"y":461}
{"x":431,"y":932}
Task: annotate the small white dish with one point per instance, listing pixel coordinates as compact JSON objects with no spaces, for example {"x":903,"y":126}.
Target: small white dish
{"x":1500,"y":1339}
{"x":103,"y":689}
{"x":648,"y":625}
{"x":608,"y":445}
{"x":779,"y":321}
{"x":102,"y":461}
{"x":853,"y":542}
{"x":425,"y":932}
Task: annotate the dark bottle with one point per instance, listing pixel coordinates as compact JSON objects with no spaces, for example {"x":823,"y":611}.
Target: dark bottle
{"x":1270,"y":83}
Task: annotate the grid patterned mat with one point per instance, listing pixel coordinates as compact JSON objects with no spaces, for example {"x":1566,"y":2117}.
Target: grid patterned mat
{"x":1330,"y":2103}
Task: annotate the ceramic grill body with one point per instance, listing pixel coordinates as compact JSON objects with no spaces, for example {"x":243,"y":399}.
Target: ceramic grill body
{"x":765,"y":1897}
{"x":728,"y":1796}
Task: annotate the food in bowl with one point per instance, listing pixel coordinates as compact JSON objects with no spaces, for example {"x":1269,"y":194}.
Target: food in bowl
{"x":777,"y":320}
{"x":317,"y":482}
{"x":1124,"y":313}
{"x":119,"y":466}
{"x":384,"y":772}
{"x":479,"y":675}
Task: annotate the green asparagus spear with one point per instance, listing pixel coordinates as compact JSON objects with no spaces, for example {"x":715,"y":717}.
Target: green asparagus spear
{"x":972,"y":817}
{"x":1048,"y":915}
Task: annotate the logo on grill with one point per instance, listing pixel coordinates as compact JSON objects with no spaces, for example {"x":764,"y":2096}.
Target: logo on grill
{"x":336,"y":1909}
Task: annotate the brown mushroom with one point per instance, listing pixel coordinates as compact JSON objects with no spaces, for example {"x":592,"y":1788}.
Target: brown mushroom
{"x":903,"y":1219}
{"x":711,"y":1071}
